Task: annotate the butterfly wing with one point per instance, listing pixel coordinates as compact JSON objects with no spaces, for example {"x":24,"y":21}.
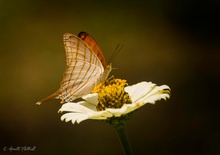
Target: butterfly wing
{"x":88,"y":39}
{"x":83,"y":70}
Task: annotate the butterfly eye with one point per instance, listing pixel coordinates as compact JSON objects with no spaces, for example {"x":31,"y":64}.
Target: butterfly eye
{"x":82,"y":35}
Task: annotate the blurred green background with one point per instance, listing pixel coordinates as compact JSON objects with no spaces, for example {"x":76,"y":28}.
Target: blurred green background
{"x":166,"y":42}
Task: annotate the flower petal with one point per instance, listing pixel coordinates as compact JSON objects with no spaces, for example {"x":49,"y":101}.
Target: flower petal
{"x":67,"y":117}
{"x":79,"y":112}
{"x":91,"y":98}
{"x":74,"y":117}
{"x":141,"y":93}
{"x":75,"y":107}
{"x":158,"y":93}
{"x":117,"y":112}
{"x":139,"y":90}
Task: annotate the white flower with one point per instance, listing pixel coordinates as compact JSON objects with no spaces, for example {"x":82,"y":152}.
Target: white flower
{"x":140,"y":94}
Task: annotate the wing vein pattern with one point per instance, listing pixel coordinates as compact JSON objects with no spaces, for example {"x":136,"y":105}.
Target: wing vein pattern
{"x":83,"y":70}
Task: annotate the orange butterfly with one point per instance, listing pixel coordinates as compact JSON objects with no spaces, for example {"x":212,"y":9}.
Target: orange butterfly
{"x":85,"y":68}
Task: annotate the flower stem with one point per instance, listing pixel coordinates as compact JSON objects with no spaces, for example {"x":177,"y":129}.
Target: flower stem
{"x":120,"y":128}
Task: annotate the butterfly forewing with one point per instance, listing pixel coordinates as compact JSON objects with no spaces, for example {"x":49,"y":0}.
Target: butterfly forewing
{"x":84,"y":68}
{"x":88,"y":39}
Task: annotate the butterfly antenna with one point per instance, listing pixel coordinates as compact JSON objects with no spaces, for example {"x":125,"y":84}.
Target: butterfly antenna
{"x":115,"y":53}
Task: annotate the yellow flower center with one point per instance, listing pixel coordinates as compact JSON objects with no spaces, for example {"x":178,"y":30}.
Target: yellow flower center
{"x":111,"y":94}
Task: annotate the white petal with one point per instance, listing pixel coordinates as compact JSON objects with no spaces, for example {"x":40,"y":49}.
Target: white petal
{"x":91,"y":98}
{"x":69,"y":116}
{"x":75,"y":107}
{"x":88,"y":105}
{"x":125,"y":109}
{"x":78,"y":112}
{"x":141,"y":93}
{"x":131,"y":107}
{"x":117,"y":112}
{"x":99,"y":114}
{"x":139,"y":90}
{"x":158,"y":93}
{"x":82,"y":118}
{"x":73,"y":117}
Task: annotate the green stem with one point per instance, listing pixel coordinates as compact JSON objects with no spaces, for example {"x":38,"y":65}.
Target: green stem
{"x":120,"y":128}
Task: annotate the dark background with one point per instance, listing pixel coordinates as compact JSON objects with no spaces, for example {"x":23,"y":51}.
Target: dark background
{"x":166,"y":42}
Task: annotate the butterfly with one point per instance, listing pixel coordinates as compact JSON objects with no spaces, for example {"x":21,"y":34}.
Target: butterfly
{"x":85,"y":68}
